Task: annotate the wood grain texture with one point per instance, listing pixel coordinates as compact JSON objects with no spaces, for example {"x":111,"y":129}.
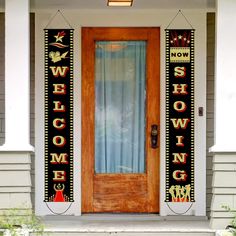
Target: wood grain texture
{"x":120,"y":192}
{"x":153,"y":117}
{"x":88,"y":110}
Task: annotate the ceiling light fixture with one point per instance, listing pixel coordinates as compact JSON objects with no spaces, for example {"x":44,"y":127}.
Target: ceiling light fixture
{"x":119,"y":3}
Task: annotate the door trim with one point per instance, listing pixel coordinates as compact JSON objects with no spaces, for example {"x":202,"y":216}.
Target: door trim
{"x":88,"y":105}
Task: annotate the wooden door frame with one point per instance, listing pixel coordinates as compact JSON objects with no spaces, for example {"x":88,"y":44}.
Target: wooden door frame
{"x":88,"y":105}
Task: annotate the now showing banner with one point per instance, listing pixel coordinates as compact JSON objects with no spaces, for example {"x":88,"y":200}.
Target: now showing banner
{"x":58,"y":115}
{"x":179,"y":115}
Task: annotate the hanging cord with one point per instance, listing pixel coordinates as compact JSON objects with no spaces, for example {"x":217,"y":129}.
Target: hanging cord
{"x":53,"y":17}
{"x":179,"y":12}
{"x":177,"y":213}
{"x":58,"y":213}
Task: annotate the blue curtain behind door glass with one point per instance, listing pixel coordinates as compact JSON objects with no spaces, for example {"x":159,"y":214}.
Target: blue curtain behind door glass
{"x":120,"y":107}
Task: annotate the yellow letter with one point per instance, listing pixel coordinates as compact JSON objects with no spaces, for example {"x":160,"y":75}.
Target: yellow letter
{"x":59,"y":141}
{"x":58,"y":107}
{"x":59,"y":123}
{"x":180,"y":89}
{"x":59,"y":70}
{"x":180,"y":141}
{"x":59,"y":89}
{"x":59,"y":159}
{"x":179,"y":175}
{"x":180,"y":72}
{"x":59,"y":175}
{"x":180,"y":123}
{"x":180,"y":106}
{"x":179,"y":158}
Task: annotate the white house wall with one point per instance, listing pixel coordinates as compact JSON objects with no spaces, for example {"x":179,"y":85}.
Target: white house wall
{"x":210,"y":103}
{"x":132,"y":18}
{"x":224,"y":148}
{"x":2,"y":79}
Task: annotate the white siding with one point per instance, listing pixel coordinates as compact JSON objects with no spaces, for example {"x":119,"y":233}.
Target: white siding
{"x":210,"y":102}
{"x":2,"y":75}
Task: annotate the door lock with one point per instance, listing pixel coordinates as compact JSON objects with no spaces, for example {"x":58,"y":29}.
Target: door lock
{"x":154,"y":136}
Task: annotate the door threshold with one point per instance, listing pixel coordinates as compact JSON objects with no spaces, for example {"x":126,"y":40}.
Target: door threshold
{"x":138,"y":216}
{"x":126,"y":217}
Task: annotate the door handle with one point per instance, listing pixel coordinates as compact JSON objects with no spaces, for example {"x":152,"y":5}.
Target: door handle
{"x":154,"y":136}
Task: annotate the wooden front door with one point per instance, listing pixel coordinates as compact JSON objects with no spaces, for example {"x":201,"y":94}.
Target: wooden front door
{"x":118,"y":173}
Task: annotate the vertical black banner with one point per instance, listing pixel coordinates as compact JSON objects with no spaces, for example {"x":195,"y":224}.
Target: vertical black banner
{"x":179,"y":115}
{"x":58,"y":115}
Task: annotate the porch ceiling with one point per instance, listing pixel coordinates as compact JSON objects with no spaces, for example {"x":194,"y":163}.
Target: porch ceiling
{"x":138,"y":4}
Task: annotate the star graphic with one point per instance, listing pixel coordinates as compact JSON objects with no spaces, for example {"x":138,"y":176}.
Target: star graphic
{"x":180,"y":37}
{"x":60,"y":36}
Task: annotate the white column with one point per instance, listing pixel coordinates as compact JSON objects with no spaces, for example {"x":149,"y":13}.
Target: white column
{"x":224,"y":160}
{"x":225,"y":81}
{"x":17,"y":76}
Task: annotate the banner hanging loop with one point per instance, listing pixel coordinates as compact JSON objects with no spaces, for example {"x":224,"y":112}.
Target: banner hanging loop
{"x":54,"y":16}
{"x":179,"y":213}
{"x":180,"y":12}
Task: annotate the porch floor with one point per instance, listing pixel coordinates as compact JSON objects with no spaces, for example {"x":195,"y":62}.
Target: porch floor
{"x":100,"y":223}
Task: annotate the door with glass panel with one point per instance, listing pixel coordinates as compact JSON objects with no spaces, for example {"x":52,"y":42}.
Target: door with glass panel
{"x":120,"y":119}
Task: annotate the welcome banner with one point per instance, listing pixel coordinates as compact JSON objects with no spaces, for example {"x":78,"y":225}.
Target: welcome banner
{"x":179,"y":115}
{"x":58,"y":115}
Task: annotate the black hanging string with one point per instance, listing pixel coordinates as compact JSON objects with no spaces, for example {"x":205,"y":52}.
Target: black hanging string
{"x":179,"y":213}
{"x":53,"y":17}
{"x":180,"y":12}
{"x":58,"y":213}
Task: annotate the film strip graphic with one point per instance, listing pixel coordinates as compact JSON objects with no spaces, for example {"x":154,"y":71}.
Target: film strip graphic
{"x":180,"y":116}
{"x":58,"y":112}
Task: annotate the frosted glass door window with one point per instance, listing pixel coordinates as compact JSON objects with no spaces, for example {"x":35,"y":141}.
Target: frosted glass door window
{"x":120,"y":74}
